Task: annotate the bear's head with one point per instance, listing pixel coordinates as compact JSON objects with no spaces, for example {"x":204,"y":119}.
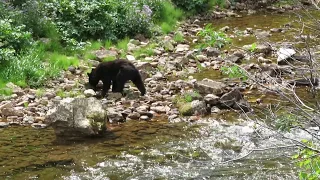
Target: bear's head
{"x":93,"y":80}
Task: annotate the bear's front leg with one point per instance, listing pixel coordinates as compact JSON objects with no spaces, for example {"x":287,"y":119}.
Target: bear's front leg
{"x":106,"y":86}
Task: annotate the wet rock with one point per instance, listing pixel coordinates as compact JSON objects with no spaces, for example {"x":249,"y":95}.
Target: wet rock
{"x":134,"y":115}
{"x":144,"y":118}
{"x":304,"y":82}
{"x":38,"y":125}
{"x":234,"y":99}
{"x":114,"y":116}
{"x":77,"y":118}
{"x":285,"y":55}
{"x":212,"y":52}
{"x":103,"y":53}
{"x":89,"y":93}
{"x":208,"y":86}
{"x":195,"y":107}
{"x":212,"y":99}
{"x":215,"y":109}
{"x":264,"y":60}
{"x":182,"y":48}
{"x":201,"y":58}
{"x":233,"y":58}
{"x":4,"y":124}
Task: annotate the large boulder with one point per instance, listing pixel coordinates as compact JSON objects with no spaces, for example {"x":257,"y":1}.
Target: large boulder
{"x":234,"y":100}
{"x":208,"y":86}
{"x":77,"y":118}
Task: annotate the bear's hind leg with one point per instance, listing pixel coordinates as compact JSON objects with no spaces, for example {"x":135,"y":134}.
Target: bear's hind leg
{"x":106,"y":86}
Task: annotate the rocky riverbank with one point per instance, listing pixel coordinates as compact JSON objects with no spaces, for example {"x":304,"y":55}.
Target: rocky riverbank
{"x":172,"y":90}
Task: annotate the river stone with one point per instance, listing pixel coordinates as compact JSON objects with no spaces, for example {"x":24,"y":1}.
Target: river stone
{"x":11,"y":112}
{"x":75,"y":118}
{"x":212,"y":52}
{"x":4,"y":124}
{"x":211,"y":99}
{"x":182,"y":48}
{"x":101,"y":54}
{"x":285,"y":54}
{"x":89,"y":93}
{"x":234,"y":99}
{"x":130,"y":58}
{"x":195,"y":107}
{"x":114,"y":116}
{"x":208,"y":86}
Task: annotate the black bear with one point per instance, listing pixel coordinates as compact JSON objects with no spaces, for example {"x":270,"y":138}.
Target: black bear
{"x":118,"y":72}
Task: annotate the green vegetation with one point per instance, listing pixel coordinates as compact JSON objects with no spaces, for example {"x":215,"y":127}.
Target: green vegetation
{"x":39,"y":38}
{"x":144,"y":51}
{"x":211,"y":38}
{"x":253,"y":47}
{"x":178,"y":37}
{"x":197,"y":6}
{"x":234,"y":72}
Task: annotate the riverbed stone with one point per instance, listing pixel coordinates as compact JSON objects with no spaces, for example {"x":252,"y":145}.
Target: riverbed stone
{"x":211,"y":99}
{"x":89,"y":93}
{"x":234,"y":99}
{"x":208,"y":86}
{"x":75,"y":118}
{"x":103,"y":53}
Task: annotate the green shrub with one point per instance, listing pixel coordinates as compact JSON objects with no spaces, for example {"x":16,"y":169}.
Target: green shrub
{"x":194,"y":6}
{"x":59,"y":61}
{"x":212,"y":38}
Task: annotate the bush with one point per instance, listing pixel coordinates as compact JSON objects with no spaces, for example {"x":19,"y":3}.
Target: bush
{"x":193,"y":6}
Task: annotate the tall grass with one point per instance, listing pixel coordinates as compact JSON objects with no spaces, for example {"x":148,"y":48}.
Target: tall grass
{"x":169,"y":16}
{"x":60,"y":61}
{"x":123,"y":44}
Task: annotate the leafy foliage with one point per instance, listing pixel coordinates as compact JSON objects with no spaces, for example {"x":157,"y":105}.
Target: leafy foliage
{"x":194,"y":6}
{"x":234,"y":72}
{"x":309,"y":161}
{"x":212,"y":38}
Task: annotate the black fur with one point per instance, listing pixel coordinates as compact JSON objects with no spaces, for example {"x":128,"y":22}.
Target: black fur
{"x":118,"y":72}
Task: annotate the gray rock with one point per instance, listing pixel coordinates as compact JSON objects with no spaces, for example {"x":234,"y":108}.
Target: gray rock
{"x":146,"y":66}
{"x":285,"y":55}
{"x":4,"y":124}
{"x":212,"y":52}
{"x":89,"y":93}
{"x":103,"y":53}
{"x":11,"y":112}
{"x":234,"y":99}
{"x":167,"y":45}
{"x":144,"y":117}
{"x":182,"y":48}
{"x":94,"y":63}
{"x":208,"y":86}
{"x":211,"y":99}
{"x":233,"y":58}
{"x":199,"y":107}
{"x":77,"y":118}
{"x":160,"y":109}
{"x":114,"y":116}
{"x":134,"y":115}
{"x":130,"y":58}
{"x":72,"y":69}
{"x":38,"y":125}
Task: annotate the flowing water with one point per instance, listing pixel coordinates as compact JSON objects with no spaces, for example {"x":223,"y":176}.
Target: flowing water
{"x":206,"y":149}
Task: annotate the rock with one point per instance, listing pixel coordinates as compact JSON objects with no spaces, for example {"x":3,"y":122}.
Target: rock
{"x":132,"y":47}
{"x":208,"y":86}
{"x":233,"y":58}
{"x":211,"y":99}
{"x":264,"y":60}
{"x":195,"y":107}
{"x":304,"y":82}
{"x":158,"y":76}
{"x":182,"y":48}
{"x":103,"y":53}
{"x":234,"y":99}
{"x":11,"y":112}
{"x":28,"y":120}
{"x":262,"y":48}
{"x":199,"y":107}
{"x":130,"y":58}
{"x":146,"y":66}
{"x":72,"y":69}
{"x":144,"y":118}
{"x":38,"y":125}
{"x":212,"y":52}
{"x":167,"y":45}
{"x":75,"y":118}
{"x":114,"y":116}
{"x":285,"y":54}
{"x":31,"y":97}
{"x":135,"y":42}
{"x":262,"y":34}
{"x":94,"y":63}
{"x":49,"y":95}
{"x":134,"y":115}
{"x":4,"y":124}
{"x":201,"y":58}
{"x":160,"y":109}
{"x":89,"y":93}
